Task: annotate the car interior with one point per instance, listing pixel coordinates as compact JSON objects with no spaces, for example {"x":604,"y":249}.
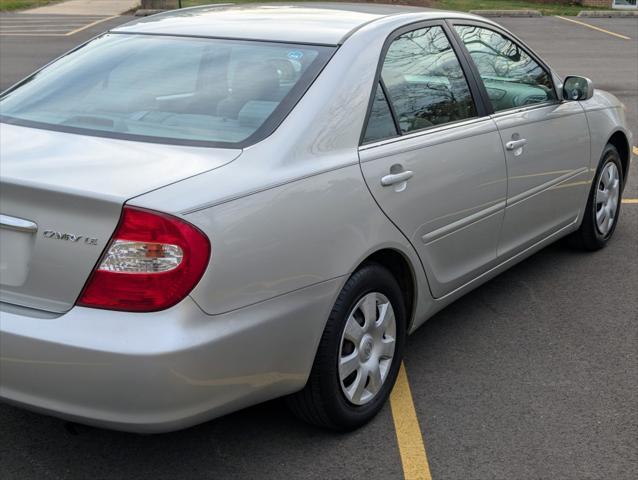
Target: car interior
{"x":202,"y":89}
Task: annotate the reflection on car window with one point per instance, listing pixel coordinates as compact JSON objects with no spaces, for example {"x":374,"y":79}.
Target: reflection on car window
{"x":424,"y":80}
{"x":185,"y":89}
{"x":380,"y":124}
{"x":512,"y":78}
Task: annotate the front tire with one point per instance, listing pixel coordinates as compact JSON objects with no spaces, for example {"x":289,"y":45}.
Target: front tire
{"x":603,"y":204}
{"x":359,"y":355}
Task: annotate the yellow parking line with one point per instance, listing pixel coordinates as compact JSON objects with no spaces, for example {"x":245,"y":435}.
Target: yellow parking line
{"x":47,"y":30}
{"x":406,"y":425}
{"x":635,"y":150}
{"x":39,"y":30}
{"x":22,"y":20}
{"x":48,"y":26}
{"x":593,"y":27}
{"x":21,"y":34}
{"x":73,"y":32}
{"x":632,"y":201}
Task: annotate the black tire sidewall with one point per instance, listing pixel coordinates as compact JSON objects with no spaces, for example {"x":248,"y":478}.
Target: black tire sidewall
{"x":370,"y":278}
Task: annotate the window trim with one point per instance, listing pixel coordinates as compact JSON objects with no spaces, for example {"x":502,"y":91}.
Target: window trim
{"x":393,"y":113}
{"x":424,"y":132}
{"x":452,"y":23}
{"x":482,"y":110}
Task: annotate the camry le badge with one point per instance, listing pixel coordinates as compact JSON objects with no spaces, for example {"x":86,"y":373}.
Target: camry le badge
{"x":69,"y":237}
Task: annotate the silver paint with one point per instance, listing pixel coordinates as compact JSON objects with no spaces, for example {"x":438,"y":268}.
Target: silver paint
{"x":289,"y":219}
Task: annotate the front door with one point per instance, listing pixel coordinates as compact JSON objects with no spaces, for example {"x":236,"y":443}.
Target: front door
{"x":546,"y":141}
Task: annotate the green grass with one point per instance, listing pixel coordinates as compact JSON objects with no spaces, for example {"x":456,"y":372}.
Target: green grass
{"x":6,"y":5}
{"x":544,"y":8}
{"x":462,"y":5}
{"x":194,"y":3}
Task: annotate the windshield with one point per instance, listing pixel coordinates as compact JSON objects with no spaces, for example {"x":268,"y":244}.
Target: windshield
{"x":195,"y":91}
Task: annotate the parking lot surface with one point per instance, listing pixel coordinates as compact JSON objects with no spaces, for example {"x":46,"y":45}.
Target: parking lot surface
{"x":532,"y":376}
{"x":28,"y":25}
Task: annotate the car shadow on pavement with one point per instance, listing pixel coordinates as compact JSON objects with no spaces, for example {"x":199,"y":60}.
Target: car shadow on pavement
{"x":526,"y":377}
{"x":263,"y":442}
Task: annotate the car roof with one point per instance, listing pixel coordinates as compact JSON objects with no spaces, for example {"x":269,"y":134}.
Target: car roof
{"x":308,"y":23}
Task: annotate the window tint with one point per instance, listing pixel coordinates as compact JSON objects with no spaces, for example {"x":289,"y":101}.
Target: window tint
{"x":424,"y":80}
{"x":169,"y":88}
{"x":512,"y":78}
{"x":380,"y":124}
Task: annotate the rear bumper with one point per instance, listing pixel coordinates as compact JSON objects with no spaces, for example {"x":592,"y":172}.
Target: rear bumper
{"x":161,"y":371}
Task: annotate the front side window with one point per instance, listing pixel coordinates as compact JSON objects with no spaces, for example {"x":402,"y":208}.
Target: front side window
{"x":511,"y":77}
{"x":161,"y":88}
{"x":424,"y":80}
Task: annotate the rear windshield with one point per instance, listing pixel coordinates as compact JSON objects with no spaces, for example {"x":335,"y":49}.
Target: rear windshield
{"x":194,"y":91}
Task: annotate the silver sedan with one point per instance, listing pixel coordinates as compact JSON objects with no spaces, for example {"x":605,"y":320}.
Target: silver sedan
{"x":210,"y":208}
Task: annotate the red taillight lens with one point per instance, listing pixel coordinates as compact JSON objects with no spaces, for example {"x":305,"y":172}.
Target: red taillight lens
{"x":152,"y":262}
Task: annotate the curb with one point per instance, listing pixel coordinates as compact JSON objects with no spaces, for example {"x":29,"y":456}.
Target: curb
{"x":507,"y":13}
{"x":608,"y":13}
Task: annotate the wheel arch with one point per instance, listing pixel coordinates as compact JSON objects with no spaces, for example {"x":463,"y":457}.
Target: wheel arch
{"x":402,"y":270}
{"x":619,"y":140}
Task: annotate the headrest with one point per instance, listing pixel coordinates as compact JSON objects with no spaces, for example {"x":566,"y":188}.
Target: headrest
{"x":254,"y":81}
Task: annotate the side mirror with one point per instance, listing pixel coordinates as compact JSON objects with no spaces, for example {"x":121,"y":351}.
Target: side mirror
{"x":577,"y":88}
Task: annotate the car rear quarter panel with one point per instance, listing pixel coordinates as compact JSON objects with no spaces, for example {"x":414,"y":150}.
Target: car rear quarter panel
{"x":290,"y":237}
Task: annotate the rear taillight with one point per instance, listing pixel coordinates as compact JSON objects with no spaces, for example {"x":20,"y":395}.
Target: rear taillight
{"x":152,"y":262}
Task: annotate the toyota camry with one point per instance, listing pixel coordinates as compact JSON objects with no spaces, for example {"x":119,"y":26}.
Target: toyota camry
{"x":217,"y":206}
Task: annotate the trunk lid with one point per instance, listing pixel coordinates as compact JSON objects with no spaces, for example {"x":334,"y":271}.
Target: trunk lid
{"x":61,"y":197}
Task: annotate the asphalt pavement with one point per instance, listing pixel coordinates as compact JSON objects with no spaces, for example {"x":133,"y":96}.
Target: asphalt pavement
{"x":532,"y":376}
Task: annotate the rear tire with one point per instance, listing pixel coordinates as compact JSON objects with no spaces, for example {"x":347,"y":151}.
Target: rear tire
{"x":355,"y":367}
{"x":603,"y":204}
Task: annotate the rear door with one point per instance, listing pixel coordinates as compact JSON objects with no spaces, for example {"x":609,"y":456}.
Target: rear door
{"x":431,"y":158}
{"x":546,"y":141}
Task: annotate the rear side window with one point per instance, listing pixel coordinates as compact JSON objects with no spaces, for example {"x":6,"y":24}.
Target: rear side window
{"x":424,"y":80}
{"x":512,"y":78}
{"x":380,"y":124}
{"x":168,"y":89}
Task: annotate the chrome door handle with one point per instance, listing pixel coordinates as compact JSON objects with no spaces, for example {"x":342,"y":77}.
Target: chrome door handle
{"x":395,"y":178}
{"x":18,"y":224}
{"x":516,"y":144}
